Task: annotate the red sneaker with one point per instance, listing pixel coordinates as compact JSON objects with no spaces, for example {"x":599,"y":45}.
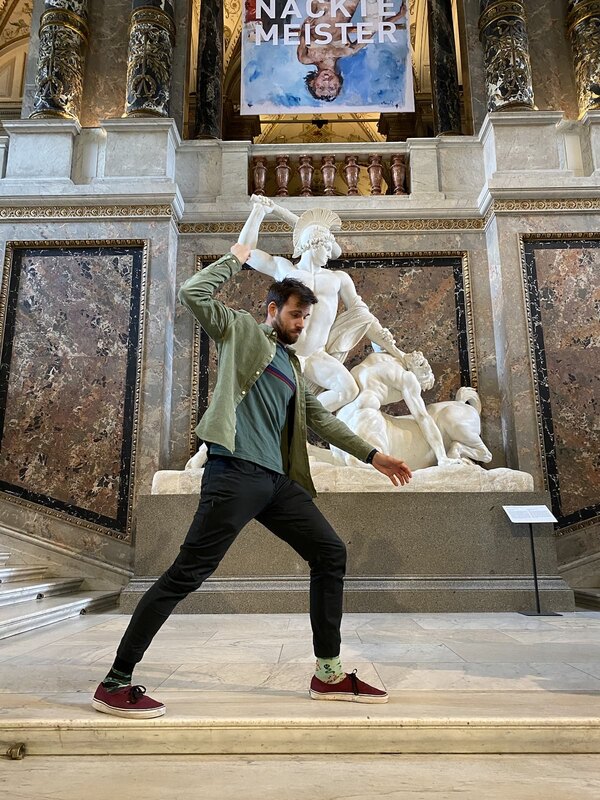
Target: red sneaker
{"x":351,"y":688}
{"x":130,"y":701}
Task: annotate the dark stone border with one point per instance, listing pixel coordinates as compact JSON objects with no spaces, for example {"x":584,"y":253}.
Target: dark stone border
{"x":120,"y":524}
{"x":542,"y":387}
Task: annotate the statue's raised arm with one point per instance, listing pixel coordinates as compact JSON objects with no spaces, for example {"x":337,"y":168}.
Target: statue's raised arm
{"x":274,"y":266}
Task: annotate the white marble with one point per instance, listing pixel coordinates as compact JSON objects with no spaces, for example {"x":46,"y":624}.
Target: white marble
{"x":520,"y":141}
{"x":395,"y":777}
{"x":504,"y":676}
{"x":139,"y":148}
{"x":40,"y":149}
{"x":329,"y":477}
{"x":390,"y":651}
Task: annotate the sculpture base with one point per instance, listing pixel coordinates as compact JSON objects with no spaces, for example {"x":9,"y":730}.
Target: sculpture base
{"x":335,"y":478}
{"x":408,"y":552}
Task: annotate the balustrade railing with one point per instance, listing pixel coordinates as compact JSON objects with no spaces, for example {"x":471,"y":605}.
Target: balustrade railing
{"x":325,"y":170}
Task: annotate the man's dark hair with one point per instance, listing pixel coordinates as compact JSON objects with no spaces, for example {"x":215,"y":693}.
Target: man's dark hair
{"x":309,"y":80}
{"x":281,"y":291}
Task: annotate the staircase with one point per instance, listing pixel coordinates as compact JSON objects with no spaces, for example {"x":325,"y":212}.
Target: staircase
{"x":587,"y":598}
{"x":31,"y":598}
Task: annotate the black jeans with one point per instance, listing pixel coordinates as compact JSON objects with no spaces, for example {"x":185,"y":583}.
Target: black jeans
{"x":233,"y":493}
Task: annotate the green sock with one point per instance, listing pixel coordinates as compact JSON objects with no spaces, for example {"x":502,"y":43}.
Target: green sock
{"x":116,"y":680}
{"x":329,"y":670}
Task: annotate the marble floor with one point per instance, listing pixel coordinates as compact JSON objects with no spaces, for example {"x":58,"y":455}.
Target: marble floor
{"x":455,"y":669}
{"x":258,"y":653}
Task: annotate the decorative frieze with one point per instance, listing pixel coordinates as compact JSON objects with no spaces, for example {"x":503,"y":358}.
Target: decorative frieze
{"x":61,"y":60}
{"x":583,"y":23}
{"x":150,"y":57}
{"x":503,"y":33}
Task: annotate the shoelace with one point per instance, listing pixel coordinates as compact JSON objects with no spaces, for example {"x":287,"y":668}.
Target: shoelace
{"x":354,"y":681}
{"x":136,"y":692}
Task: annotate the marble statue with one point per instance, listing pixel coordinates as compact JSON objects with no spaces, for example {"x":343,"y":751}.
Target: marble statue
{"x":329,"y":335}
{"x":440,"y":442}
{"x":443,"y":433}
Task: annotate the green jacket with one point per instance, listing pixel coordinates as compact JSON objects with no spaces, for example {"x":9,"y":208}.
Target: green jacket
{"x":245,"y":349}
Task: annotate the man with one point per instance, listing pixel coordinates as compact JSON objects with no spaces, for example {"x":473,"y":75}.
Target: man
{"x":255,"y":428}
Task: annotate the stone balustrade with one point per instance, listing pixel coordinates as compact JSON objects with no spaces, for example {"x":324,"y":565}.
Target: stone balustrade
{"x":372,"y":168}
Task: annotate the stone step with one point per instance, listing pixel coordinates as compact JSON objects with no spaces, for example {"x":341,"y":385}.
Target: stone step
{"x":277,"y":722}
{"x":4,"y":557}
{"x":34,"y":614}
{"x":587,"y":598}
{"x":28,"y":590}
{"x":12,"y":574}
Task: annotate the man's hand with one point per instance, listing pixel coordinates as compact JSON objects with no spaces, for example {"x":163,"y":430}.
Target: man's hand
{"x":241,"y":252}
{"x":393,"y":468}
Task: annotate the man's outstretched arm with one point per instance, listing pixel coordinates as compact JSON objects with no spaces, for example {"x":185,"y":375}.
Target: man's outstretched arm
{"x":334,"y":431}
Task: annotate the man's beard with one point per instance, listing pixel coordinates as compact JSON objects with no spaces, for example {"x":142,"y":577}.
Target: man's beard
{"x":283,"y":335}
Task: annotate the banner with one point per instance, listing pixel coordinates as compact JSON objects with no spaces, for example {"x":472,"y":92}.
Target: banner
{"x":326,"y":56}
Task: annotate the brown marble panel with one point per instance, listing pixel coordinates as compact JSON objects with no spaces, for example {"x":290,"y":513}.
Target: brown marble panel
{"x":569,"y":293}
{"x":68,"y":379}
{"x":416,"y":302}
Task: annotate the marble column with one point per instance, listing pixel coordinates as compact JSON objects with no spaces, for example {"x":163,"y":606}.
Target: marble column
{"x":583,"y":23}
{"x":444,"y":74}
{"x":209,"y":91}
{"x":503,"y":33}
{"x":61,"y":60}
{"x":150,"y":57}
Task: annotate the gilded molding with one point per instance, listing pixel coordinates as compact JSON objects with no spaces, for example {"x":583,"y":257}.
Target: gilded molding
{"x":140,"y":362}
{"x":499,"y":10}
{"x":84,"y":212}
{"x":583,"y":25}
{"x":533,"y":361}
{"x":470,"y":318}
{"x":545,"y":206}
{"x":61,"y":60}
{"x":64,"y":517}
{"x":348,"y":226}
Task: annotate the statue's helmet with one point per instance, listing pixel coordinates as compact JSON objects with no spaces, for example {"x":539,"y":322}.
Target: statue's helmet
{"x":316,"y":222}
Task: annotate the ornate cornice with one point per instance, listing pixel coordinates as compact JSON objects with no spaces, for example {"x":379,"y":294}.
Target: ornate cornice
{"x":165,"y":210}
{"x":349,"y":226}
{"x":84,"y":212}
{"x":545,"y":206}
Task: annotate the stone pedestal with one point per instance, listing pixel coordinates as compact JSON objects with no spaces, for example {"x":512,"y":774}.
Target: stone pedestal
{"x":40,"y":149}
{"x":421,"y":552}
{"x":424,"y":174}
{"x":524,"y":142}
{"x":140,"y":148}
{"x":591,"y":143}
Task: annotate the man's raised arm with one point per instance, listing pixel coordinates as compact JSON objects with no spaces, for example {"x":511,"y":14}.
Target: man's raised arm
{"x":197,"y":292}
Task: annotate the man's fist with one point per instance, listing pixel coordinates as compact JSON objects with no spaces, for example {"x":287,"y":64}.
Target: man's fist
{"x":241,"y":252}
{"x":393,"y":468}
